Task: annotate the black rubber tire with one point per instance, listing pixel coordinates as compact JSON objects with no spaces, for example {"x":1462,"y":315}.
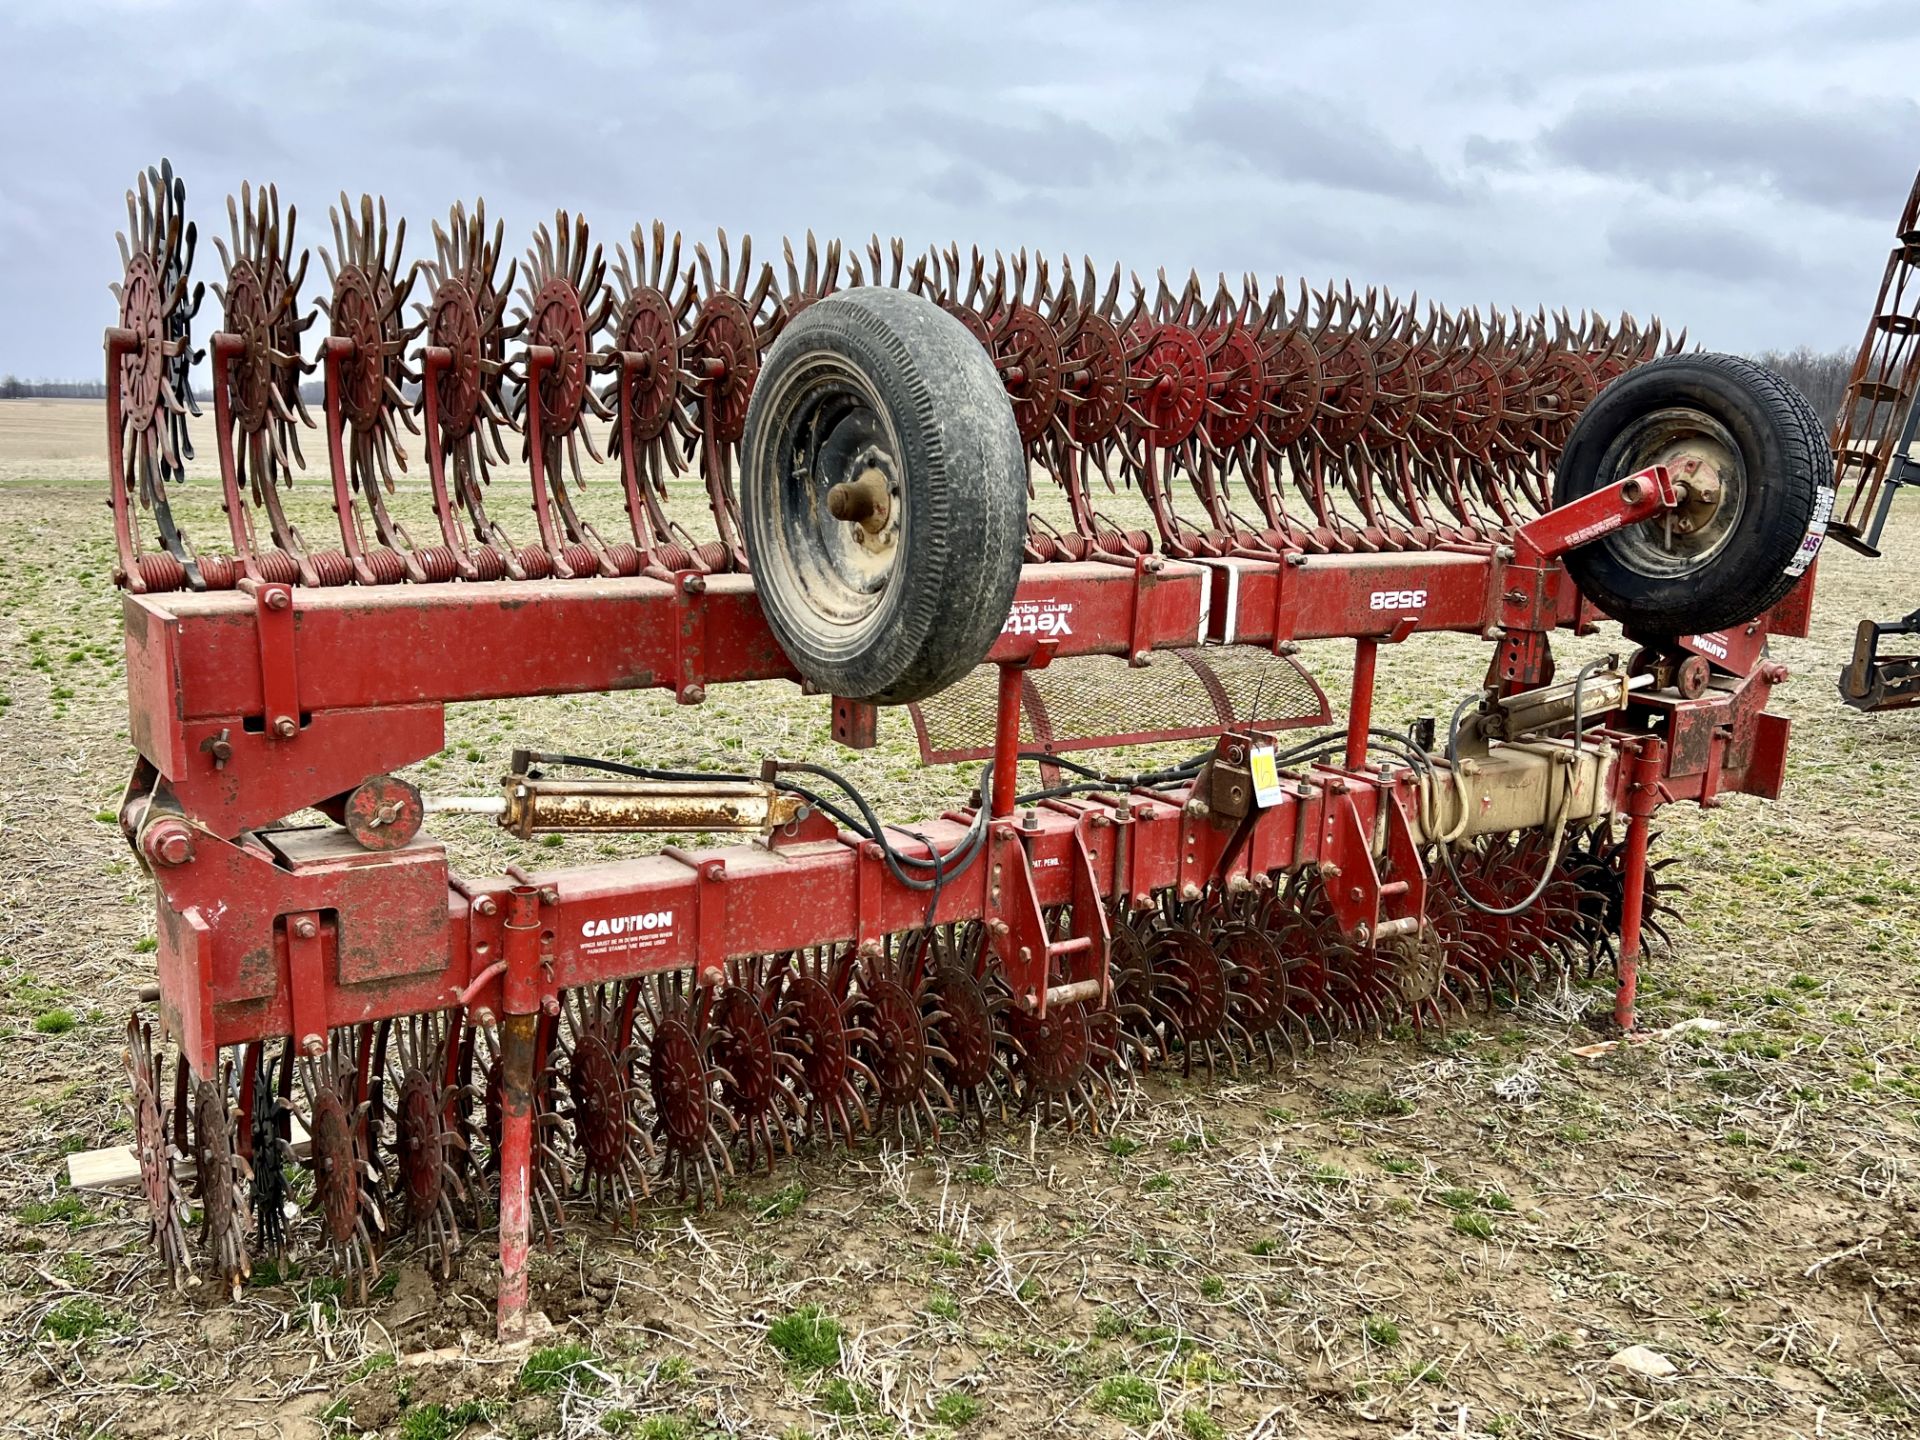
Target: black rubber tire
{"x":910,"y":386}
{"x":1786,"y":477}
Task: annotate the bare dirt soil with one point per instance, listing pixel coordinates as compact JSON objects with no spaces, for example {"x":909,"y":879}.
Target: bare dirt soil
{"x":1441,"y":1237}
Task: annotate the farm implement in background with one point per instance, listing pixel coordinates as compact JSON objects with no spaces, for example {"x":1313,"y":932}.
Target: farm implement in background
{"x":1873,"y":450}
{"x":473,"y":1051}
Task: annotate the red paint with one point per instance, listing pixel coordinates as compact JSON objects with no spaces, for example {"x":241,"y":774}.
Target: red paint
{"x":1366,"y":653}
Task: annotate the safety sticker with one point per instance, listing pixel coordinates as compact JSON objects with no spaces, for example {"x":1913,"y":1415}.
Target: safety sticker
{"x":1266,"y":776}
{"x":1816,"y":532}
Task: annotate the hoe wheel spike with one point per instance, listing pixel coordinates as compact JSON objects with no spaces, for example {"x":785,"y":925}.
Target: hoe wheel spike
{"x":159,"y":1157}
{"x":1053,"y":1068}
{"x":602,"y":1104}
{"x":270,"y":1144}
{"x":972,"y":1025}
{"x":902,"y":1047}
{"x":823,"y":1034}
{"x":426,"y":1140}
{"x":466,"y":325}
{"x":761,"y":1075}
{"x":153,"y":389}
{"x":340,"y":1158}
{"x":1195,"y":985}
{"x":222,"y":1177}
{"x":368,"y":341}
{"x":675,"y":1038}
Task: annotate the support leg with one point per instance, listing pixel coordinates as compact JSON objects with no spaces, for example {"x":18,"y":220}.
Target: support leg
{"x":1642,"y":796}
{"x":517,"y":1041}
{"x":516,"y":1169}
{"x":1366,"y":653}
{"x":1006,"y":743}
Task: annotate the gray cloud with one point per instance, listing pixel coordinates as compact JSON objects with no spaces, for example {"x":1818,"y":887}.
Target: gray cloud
{"x":1292,"y":135}
{"x":1736,"y":177}
{"x":1702,"y":248}
{"x":1846,"y":152}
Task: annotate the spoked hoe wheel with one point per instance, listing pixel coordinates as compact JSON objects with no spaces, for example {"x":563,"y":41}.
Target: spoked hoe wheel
{"x":222,"y":1179}
{"x":159,"y":1160}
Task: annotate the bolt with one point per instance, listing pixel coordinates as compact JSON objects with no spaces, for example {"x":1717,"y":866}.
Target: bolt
{"x":1189,"y":891}
{"x":550,"y":1005}
{"x":486,"y":905}
{"x":998,"y":928}
{"x":711,"y":975}
{"x":692,"y":694}
{"x":305,"y":928}
{"x":549,"y":895}
{"x":278,"y":600}
{"x":173,"y":846}
{"x":1196,"y":808}
{"x":1355,"y":894}
{"x":314,"y":1045}
{"x":1031,"y":820}
{"x":693,"y":584}
{"x":286,"y":727}
{"x":1361,"y":933}
{"x":483,"y":1017}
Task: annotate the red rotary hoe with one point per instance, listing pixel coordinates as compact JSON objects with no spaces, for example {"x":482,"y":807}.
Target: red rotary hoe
{"x":455,"y":1053}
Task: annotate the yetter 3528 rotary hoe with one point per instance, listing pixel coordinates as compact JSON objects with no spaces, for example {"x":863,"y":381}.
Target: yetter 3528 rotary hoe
{"x":460,"y":1052}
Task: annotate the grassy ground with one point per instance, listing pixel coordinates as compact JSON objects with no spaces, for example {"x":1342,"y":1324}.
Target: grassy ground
{"x":1439,"y":1238}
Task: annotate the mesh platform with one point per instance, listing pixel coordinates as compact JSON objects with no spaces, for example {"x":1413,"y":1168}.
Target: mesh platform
{"x":1095,"y":702}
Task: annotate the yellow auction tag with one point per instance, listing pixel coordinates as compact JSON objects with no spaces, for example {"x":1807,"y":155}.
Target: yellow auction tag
{"x":1266,"y":776}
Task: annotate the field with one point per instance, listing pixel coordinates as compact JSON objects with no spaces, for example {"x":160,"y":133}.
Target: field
{"x":1441,"y":1237}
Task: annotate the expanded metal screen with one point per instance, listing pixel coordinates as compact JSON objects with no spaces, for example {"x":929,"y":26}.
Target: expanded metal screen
{"x":1093,"y":702}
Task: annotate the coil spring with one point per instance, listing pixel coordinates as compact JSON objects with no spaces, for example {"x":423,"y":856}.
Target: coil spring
{"x":624,"y":558}
{"x":218,"y":572}
{"x":387,"y":566}
{"x":160,"y":571}
{"x":536,"y":562}
{"x":581,"y":560}
{"x":438,"y":564}
{"x":278,"y":567}
{"x":331,"y":567}
{"x":488,"y":563}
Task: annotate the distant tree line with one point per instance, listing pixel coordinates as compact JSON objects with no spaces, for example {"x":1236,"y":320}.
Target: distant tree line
{"x":12,"y":387}
{"x":1820,"y":375}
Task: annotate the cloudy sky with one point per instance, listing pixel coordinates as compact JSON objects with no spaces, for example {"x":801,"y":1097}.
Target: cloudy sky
{"x":1731,"y":165}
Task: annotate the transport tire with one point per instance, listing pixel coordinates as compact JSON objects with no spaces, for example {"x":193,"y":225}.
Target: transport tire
{"x":883,"y":496}
{"x":1759,"y":502}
